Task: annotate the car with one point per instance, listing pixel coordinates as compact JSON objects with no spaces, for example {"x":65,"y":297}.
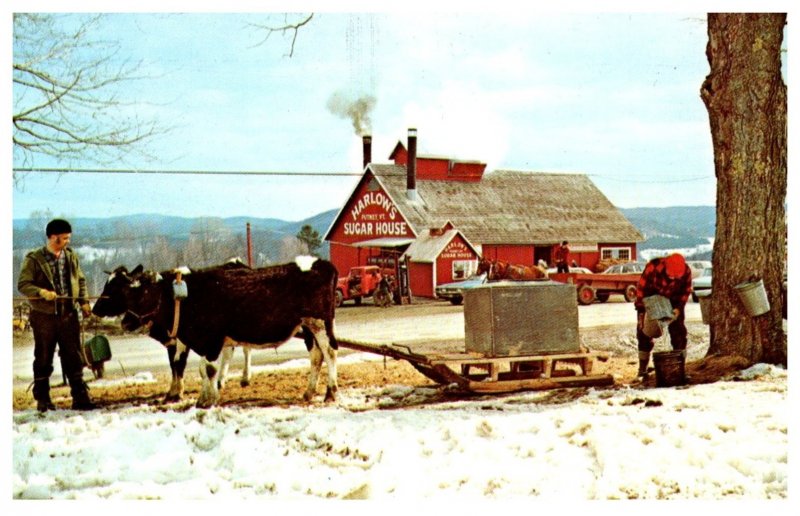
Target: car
{"x":454,"y":292}
{"x":701,"y":283}
{"x":579,"y":270}
{"x":625,"y":268}
{"x":698,"y":266}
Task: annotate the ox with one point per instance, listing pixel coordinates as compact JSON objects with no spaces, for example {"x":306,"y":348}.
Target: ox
{"x":500,"y":270}
{"x":112,"y":304}
{"x":253,"y":307}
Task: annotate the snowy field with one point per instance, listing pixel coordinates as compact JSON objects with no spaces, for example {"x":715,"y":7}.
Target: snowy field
{"x":722,"y":441}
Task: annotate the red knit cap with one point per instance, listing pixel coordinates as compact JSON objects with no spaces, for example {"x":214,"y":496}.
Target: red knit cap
{"x":676,"y":265}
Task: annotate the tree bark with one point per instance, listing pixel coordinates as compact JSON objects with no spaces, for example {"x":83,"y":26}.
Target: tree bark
{"x":745,"y":96}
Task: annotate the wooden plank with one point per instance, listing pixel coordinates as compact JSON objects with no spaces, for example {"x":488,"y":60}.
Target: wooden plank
{"x":540,"y":384}
{"x":392,"y":351}
{"x":473,"y":359}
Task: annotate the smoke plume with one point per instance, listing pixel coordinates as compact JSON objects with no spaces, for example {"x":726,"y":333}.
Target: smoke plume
{"x":356,"y":110}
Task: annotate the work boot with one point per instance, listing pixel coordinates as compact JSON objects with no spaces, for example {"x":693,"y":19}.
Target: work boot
{"x":80,"y":396}
{"x":44,"y":405}
{"x":644,"y":361}
{"x":41,"y":393}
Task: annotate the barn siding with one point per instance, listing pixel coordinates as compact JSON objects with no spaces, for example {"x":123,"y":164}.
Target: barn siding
{"x":520,"y":254}
{"x":421,"y":279}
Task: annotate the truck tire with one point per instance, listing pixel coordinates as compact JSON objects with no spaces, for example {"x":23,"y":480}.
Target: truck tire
{"x":586,"y":295}
{"x":457,"y":300}
{"x":630,"y":293}
{"x":339,"y":298}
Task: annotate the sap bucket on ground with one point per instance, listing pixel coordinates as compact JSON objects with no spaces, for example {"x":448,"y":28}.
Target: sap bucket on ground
{"x":670,"y":368}
{"x":704,"y":298}
{"x":754,"y":297}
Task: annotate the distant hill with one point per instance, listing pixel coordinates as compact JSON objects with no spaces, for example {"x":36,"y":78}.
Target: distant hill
{"x":112,"y":231}
{"x":663,"y":228}
{"x":680,"y":227}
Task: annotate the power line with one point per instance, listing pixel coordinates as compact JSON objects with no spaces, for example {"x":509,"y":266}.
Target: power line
{"x":647,"y":181}
{"x":184,"y":172}
{"x":299,"y":174}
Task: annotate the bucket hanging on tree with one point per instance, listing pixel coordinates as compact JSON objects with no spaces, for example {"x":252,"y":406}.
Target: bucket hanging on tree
{"x":704,"y":298}
{"x":753,"y":296}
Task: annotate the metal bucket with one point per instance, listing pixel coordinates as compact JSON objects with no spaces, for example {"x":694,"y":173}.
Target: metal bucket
{"x":653,"y":328}
{"x":658,"y":307}
{"x":658,"y":315}
{"x":754,"y":296}
{"x":704,"y":298}
{"x":670,"y":368}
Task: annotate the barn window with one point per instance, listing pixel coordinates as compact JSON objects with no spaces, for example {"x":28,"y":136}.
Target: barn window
{"x":463,"y":269}
{"x":618,"y":253}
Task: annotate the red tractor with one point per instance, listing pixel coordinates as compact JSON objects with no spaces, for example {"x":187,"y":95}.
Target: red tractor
{"x":364,"y":281}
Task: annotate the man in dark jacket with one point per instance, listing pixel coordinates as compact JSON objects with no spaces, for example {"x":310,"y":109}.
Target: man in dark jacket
{"x":672,"y":278}
{"x":562,"y":257}
{"x":52,"y":280}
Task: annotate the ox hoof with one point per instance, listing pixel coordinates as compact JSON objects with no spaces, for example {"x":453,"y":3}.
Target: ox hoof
{"x":308,"y":396}
{"x":204,"y":404}
{"x":330,"y":395}
{"x":172,"y":398}
{"x":245,"y":383}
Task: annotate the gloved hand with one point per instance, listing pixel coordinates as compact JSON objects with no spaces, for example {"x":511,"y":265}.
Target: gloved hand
{"x":49,"y":295}
{"x":87,"y":310}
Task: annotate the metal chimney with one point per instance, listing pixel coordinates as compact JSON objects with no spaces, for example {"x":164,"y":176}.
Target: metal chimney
{"x":411,"y":176}
{"x":367,"y":140}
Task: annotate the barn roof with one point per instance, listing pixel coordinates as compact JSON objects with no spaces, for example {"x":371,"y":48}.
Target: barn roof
{"x":512,"y":207}
{"x":427,"y":247}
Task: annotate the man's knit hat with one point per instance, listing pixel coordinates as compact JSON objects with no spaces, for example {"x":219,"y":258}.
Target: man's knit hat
{"x":676,"y":265}
{"x":57,"y":227}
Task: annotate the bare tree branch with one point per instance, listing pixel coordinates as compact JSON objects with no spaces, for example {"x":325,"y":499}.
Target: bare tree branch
{"x":67,"y":90}
{"x":287,"y":27}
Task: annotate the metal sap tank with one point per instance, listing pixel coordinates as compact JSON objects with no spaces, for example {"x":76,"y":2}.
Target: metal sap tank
{"x":521,"y":318}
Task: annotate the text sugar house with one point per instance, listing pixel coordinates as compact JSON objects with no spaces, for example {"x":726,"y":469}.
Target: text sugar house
{"x":374,"y":214}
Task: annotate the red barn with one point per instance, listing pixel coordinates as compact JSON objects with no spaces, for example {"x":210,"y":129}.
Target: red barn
{"x":442,"y":214}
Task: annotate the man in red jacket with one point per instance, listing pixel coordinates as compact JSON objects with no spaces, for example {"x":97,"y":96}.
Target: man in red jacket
{"x":672,"y":278}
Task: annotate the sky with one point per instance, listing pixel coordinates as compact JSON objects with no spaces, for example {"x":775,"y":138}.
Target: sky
{"x":614,"y":95}
{"x":726,"y":441}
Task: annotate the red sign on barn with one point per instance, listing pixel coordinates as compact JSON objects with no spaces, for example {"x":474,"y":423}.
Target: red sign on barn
{"x":370,"y":214}
{"x":457,"y":250}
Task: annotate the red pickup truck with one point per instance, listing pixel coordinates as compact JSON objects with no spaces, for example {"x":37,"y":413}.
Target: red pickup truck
{"x":360,"y":282}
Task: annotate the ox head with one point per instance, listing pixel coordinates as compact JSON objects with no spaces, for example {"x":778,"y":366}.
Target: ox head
{"x":112,"y":300}
{"x":142,"y":299}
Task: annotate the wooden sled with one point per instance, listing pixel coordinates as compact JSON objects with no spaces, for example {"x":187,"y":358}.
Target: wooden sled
{"x":473,"y":372}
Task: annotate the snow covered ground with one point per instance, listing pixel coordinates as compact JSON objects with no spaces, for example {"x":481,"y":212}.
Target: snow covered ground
{"x":727,"y":440}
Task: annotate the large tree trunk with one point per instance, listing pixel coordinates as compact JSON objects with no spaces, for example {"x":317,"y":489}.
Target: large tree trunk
{"x":746,"y":100}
